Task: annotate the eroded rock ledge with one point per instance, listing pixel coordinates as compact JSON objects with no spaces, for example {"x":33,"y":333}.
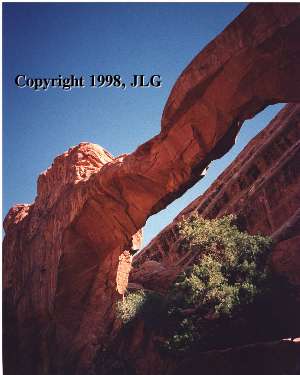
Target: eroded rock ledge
{"x":61,"y":253}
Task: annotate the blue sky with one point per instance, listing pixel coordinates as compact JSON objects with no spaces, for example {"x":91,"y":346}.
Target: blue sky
{"x":45,"y":40}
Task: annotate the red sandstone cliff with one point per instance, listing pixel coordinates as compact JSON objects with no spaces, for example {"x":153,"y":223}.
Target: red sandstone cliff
{"x":61,"y":252}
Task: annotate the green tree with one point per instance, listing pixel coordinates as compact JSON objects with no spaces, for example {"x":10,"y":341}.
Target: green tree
{"x":211,"y":299}
{"x":229,"y":273}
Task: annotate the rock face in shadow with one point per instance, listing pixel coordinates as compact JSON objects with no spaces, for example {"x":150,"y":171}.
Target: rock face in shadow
{"x":60,"y":254}
{"x":270,"y":358}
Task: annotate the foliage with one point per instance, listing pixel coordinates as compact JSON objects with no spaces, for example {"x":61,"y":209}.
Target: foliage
{"x":230,"y":275}
{"x":231,"y":272}
{"x":132,"y":304}
{"x":148,"y":303}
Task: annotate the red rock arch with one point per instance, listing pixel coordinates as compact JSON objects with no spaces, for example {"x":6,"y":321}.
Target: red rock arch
{"x":61,"y":253}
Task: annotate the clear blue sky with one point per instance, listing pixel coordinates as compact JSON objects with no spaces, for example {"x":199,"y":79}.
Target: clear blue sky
{"x":44,"y":40}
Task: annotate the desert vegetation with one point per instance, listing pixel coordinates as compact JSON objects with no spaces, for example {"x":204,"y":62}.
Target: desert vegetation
{"x":230,"y":273}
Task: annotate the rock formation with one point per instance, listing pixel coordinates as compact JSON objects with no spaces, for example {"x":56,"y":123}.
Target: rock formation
{"x":61,"y":252}
{"x":261,"y":186}
{"x":123,"y":271}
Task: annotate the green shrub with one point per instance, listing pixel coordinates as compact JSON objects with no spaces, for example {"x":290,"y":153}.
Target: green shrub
{"x":147,"y":303}
{"x":130,"y":307}
{"x":231,"y":272}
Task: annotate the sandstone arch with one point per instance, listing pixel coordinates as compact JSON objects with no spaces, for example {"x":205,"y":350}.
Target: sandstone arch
{"x":61,"y":253}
